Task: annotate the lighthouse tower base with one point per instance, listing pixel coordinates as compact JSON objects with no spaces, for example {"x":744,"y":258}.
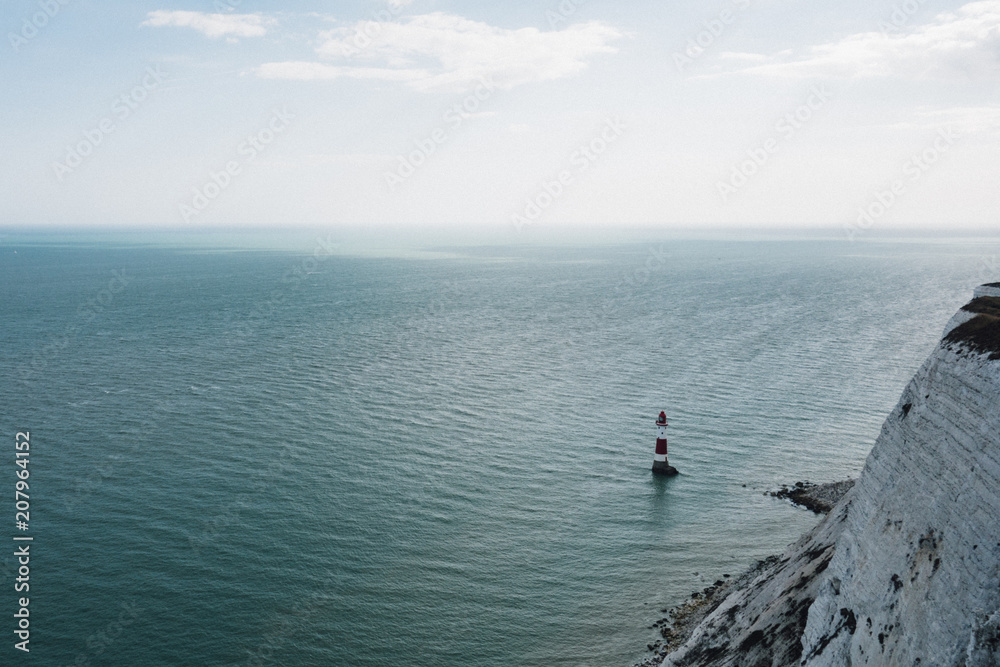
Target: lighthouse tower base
{"x":664,"y":468}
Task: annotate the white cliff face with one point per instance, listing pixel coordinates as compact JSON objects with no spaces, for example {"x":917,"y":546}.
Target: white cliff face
{"x":761,"y":624}
{"x":918,"y":562}
{"x":992,"y":289}
{"x":905,"y":570}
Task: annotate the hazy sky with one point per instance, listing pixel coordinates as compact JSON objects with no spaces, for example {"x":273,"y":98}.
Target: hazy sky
{"x":856,"y":114}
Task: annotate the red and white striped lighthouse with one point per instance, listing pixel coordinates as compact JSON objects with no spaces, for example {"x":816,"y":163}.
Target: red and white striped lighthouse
{"x":660,"y":464}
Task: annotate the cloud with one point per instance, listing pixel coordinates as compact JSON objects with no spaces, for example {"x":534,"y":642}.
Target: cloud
{"x":966,"y":41}
{"x":210,"y":25}
{"x":441,"y":51}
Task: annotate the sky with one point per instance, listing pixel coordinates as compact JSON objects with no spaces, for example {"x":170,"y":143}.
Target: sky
{"x":860,"y":116}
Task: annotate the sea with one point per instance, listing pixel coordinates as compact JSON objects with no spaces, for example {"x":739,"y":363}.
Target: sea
{"x":309,"y":452}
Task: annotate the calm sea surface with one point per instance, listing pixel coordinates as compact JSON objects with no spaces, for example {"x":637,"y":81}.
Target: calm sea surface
{"x":248,"y":458}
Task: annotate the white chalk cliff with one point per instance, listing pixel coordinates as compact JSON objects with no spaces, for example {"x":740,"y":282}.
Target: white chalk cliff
{"x":905,"y":570}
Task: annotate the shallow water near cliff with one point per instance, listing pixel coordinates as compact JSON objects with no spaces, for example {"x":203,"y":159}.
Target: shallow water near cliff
{"x":442,"y":459}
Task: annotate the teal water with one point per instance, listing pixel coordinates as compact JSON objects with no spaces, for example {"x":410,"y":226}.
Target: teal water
{"x":441,"y":460}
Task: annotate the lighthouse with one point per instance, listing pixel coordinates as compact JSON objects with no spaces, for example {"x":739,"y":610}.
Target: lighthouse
{"x":660,"y":464}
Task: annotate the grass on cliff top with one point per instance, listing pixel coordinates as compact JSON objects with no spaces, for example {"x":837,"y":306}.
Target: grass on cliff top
{"x":982,"y":332}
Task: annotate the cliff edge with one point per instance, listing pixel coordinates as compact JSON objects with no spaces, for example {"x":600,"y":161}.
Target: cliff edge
{"x":905,"y":569}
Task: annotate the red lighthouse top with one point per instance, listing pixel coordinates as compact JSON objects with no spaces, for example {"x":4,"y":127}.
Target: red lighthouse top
{"x":662,"y":419}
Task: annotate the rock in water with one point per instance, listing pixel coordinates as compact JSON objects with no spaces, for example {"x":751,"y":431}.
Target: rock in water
{"x":820,"y":498}
{"x":905,"y":570}
{"x":663,"y":468}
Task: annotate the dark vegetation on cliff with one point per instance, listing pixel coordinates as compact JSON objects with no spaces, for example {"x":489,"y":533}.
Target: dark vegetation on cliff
{"x":982,"y":332}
